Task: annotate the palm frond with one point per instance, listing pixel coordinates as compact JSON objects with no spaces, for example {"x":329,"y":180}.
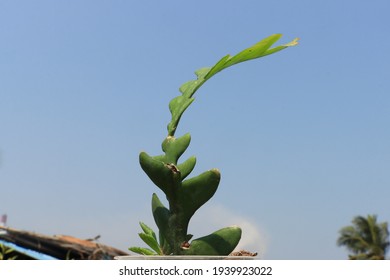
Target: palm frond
{"x":365,"y":238}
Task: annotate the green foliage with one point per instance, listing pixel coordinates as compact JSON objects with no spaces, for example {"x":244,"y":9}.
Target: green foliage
{"x":186,"y":196}
{"x":366,"y":239}
{"x":149,"y":237}
{"x":180,"y":103}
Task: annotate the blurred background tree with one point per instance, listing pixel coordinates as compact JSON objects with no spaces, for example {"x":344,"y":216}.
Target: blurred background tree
{"x":365,"y":238}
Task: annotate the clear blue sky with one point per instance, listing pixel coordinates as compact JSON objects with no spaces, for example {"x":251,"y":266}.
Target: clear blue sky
{"x":301,"y":137}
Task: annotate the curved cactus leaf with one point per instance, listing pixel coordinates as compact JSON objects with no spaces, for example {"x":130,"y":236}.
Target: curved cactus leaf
{"x":187,"y":167}
{"x":258,"y":50}
{"x":175,"y":147}
{"x":221,"y":242}
{"x":180,"y":103}
{"x":160,"y":214}
{"x":177,"y":106}
{"x":149,"y":237}
{"x":147,"y":230}
{"x":190,"y":87}
{"x":165,"y":176}
{"x":198,"y":190}
{"x":151,"y":241}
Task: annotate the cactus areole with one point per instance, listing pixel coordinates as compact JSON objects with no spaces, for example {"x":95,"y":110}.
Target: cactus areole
{"x":186,"y":196}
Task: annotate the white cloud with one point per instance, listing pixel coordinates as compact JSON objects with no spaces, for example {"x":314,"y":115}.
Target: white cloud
{"x":211,"y":218}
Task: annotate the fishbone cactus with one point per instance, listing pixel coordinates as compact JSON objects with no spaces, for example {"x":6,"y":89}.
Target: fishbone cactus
{"x":186,"y":196}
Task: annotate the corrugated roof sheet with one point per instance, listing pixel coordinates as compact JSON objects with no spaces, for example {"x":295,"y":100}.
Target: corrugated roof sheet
{"x":57,"y":247}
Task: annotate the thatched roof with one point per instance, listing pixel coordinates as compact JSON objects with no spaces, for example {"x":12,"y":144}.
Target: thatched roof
{"x":59,"y":246}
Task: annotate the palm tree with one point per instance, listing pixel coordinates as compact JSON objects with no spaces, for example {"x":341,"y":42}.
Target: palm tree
{"x":367,"y":239}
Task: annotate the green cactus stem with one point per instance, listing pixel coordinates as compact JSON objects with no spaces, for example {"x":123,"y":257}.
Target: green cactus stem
{"x":186,"y":196}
